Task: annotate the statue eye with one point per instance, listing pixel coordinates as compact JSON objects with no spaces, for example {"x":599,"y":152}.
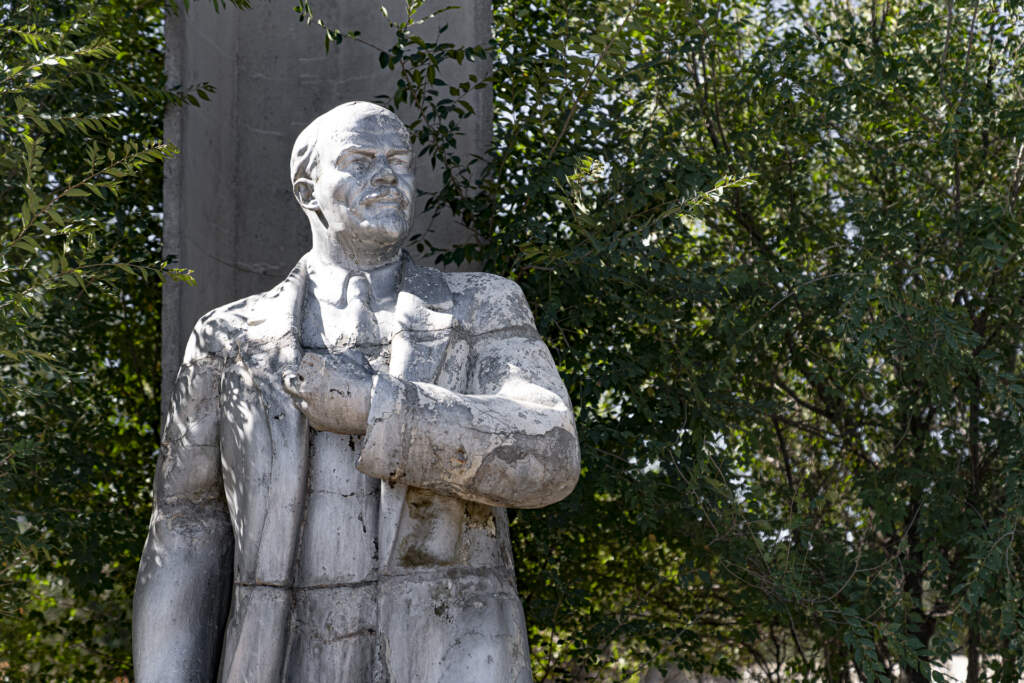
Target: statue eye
{"x":354,"y":162}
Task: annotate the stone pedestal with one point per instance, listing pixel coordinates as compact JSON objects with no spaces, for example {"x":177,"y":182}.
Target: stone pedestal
{"x":229,"y":212}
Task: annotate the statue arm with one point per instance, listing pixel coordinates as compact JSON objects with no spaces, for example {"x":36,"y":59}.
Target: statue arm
{"x":511,"y":441}
{"x":184,"y":584}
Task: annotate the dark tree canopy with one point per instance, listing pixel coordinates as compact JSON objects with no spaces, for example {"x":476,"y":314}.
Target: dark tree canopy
{"x":81,"y":102}
{"x":777,"y":247}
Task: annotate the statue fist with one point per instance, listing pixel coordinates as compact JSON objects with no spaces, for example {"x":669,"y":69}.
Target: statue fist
{"x":332,"y":391}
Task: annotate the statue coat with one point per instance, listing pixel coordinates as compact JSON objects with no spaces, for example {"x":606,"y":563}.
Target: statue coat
{"x":470,"y":417}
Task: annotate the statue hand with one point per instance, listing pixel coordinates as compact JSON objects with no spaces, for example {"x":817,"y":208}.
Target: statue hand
{"x":332,"y":391}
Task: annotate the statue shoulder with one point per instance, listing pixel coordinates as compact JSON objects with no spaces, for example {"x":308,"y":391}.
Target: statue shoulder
{"x":484,"y":302}
{"x":214,"y":333}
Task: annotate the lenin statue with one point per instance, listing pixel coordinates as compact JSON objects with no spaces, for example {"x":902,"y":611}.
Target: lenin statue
{"x":340,"y":450}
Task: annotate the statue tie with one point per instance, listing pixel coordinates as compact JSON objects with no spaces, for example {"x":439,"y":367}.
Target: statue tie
{"x":360,"y":330}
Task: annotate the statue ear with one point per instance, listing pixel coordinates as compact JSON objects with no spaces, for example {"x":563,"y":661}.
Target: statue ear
{"x":302,"y":188}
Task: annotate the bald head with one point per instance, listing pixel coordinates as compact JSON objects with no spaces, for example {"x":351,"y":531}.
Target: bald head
{"x":352,"y":175}
{"x":340,"y":125}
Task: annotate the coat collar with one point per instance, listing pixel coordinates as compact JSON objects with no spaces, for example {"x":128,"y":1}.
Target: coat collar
{"x":423,"y":311}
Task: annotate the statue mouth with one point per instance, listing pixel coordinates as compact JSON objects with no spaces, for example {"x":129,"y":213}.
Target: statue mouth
{"x":386,"y":198}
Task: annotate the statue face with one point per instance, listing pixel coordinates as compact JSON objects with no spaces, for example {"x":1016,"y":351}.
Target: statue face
{"x":364,"y":191}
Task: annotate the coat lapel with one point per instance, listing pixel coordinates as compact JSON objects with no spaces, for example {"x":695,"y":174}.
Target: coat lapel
{"x":423,"y":311}
{"x":275,"y":317}
{"x":279,"y":438}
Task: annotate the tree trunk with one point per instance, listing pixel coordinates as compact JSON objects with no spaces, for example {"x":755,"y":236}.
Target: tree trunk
{"x":973,"y":656}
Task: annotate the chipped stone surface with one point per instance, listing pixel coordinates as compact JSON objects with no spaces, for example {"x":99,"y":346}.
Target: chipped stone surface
{"x":334,"y":512}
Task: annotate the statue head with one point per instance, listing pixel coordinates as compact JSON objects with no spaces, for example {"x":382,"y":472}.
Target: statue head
{"x":352,"y":175}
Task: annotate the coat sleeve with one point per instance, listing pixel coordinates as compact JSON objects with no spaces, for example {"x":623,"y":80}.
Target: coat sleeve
{"x":184,"y":583}
{"x":509,"y":441}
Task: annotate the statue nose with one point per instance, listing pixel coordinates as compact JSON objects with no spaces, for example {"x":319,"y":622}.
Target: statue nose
{"x":384,"y":175}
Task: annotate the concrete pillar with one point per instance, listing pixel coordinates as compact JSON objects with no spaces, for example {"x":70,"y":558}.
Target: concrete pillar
{"x":228,"y":210}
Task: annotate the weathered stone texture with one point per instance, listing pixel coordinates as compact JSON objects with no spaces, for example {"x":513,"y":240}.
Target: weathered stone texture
{"x":330,"y":496}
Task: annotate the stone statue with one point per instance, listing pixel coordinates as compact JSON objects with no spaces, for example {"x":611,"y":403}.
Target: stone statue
{"x":339,"y":453}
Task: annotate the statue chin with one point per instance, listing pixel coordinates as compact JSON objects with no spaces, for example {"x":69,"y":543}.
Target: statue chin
{"x":383,"y":230}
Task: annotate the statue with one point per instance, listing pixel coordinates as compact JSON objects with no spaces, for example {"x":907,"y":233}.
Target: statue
{"x":339,"y":453}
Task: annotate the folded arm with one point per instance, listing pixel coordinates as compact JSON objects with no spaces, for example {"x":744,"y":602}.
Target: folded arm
{"x":509,"y":441}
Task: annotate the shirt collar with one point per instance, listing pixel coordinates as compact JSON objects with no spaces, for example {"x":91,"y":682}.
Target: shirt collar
{"x":330,"y":282}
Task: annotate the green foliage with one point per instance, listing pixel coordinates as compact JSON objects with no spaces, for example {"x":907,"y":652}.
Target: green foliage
{"x":815,"y":382}
{"x":776,"y":248}
{"x":81,"y":102}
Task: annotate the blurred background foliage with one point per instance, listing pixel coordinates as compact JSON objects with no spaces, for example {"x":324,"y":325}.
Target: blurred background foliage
{"x":776,"y":249}
{"x":81,"y":105}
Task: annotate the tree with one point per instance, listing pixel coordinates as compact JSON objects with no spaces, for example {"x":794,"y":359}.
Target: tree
{"x":809,"y":391}
{"x":800,"y":399}
{"x":80,"y":266}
